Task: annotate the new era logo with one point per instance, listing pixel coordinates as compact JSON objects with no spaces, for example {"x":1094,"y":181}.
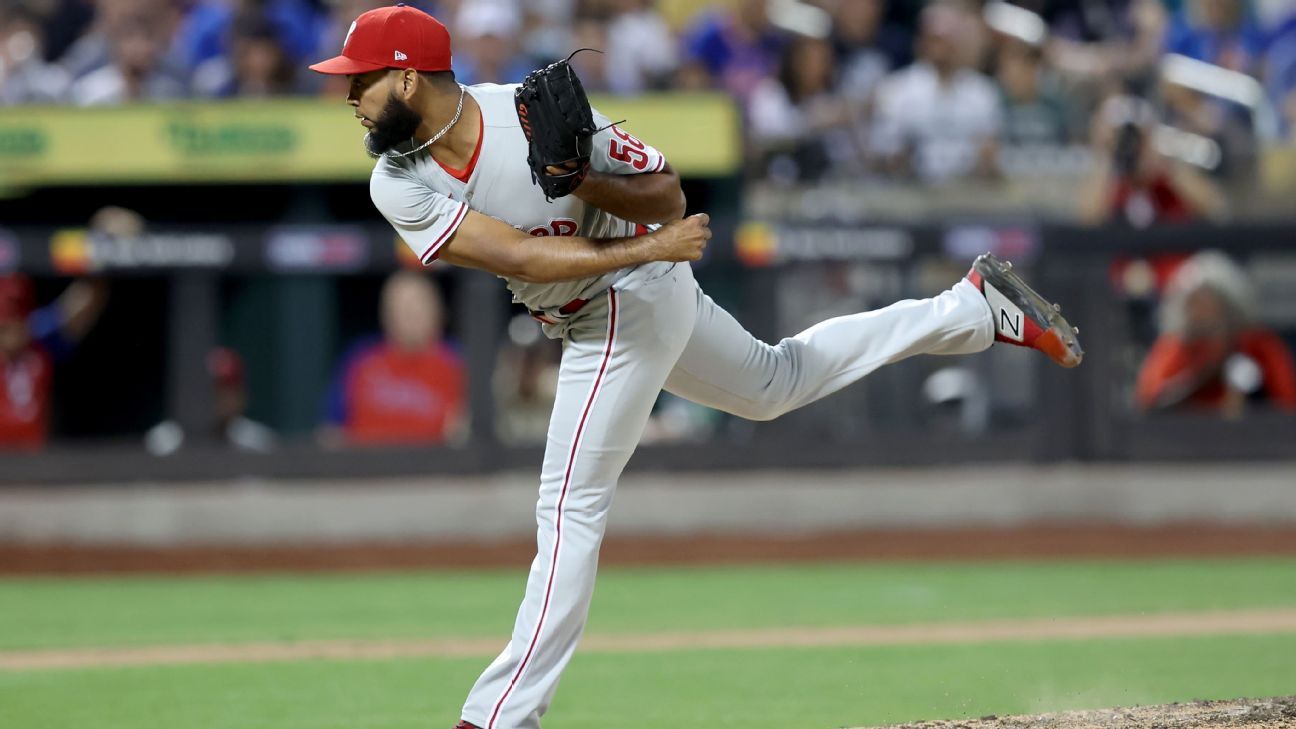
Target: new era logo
{"x":401,"y":56}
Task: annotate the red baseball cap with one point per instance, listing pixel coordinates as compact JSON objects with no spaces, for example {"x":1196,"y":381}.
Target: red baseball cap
{"x":394,"y":37}
{"x":17,"y":298}
{"x":226,"y":367}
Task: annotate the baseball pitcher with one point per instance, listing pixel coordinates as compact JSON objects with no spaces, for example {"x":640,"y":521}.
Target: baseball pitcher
{"x":584,"y":221}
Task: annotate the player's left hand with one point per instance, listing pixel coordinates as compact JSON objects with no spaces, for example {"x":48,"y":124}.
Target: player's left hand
{"x":564,"y":169}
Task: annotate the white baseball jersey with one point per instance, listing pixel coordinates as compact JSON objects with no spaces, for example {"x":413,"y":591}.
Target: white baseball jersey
{"x":645,"y":328}
{"x":425,"y":201}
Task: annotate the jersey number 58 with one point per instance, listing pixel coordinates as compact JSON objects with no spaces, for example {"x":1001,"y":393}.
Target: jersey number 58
{"x":628,"y":149}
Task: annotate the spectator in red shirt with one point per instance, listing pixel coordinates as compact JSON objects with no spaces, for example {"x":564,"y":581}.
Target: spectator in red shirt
{"x":1212,"y":354}
{"x":30,"y":340}
{"x":1133,"y":183}
{"x":408,"y":386}
{"x":25,"y":370}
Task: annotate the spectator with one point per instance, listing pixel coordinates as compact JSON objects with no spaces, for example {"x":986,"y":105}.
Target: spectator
{"x":31,"y":339}
{"x":136,"y":71}
{"x":867,"y":50}
{"x":332,"y":37}
{"x":407,"y":387}
{"x":339,"y":21}
{"x":525,"y":382}
{"x":486,"y":48}
{"x":25,"y":76}
{"x":1034,"y":113}
{"x":1105,"y":40}
{"x":257,"y":66}
{"x":1132,"y":182}
{"x":1226,"y":124}
{"x":733,"y":50}
{"x":1085,"y":21}
{"x":229,"y":375}
{"x":797,"y":120}
{"x":230,"y":424}
{"x":94,"y":49}
{"x":62,"y":22}
{"x":205,"y":32}
{"x":591,"y":65}
{"x":1212,"y":354}
{"x":28,"y":370}
{"x":937,"y":119}
{"x":1279,"y":74}
{"x":644,"y":56}
{"x":1219,"y":32}
{"x":547,"y":25}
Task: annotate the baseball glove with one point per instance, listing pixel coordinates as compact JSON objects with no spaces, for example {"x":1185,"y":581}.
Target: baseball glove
{"x":559,"y":127}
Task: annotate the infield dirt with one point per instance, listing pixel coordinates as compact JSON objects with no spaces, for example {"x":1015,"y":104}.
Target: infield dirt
{"x":1277,"y":713}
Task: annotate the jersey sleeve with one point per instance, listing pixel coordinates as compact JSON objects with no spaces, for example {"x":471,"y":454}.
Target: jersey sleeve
{"x":618,"y":152}
{"x":423,"y":218}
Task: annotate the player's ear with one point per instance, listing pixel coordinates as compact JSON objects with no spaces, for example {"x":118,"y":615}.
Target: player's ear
{"x":407,"y":84}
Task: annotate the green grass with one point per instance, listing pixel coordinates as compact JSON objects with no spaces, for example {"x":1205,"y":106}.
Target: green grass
{"x":48,"y":613}
{"x":751,"y":689}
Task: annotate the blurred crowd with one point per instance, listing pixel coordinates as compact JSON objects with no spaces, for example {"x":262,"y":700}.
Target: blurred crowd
{"x":1158,"y":106}
{"x":1173,"y":96}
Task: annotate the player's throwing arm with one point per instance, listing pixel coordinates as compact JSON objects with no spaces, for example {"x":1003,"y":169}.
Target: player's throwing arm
{"x":488,"y":244}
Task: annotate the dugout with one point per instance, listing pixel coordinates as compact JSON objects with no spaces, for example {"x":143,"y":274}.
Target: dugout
{"x":249,"y":246}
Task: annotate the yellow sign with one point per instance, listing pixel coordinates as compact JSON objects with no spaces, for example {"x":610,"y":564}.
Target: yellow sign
{"x":700,"y":134}
{"x":290,"y":140}
{"x":70,"y":252}
{"x":755,"y":244}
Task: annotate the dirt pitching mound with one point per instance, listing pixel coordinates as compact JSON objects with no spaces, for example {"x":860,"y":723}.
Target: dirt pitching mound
{"x":1240,"y":713}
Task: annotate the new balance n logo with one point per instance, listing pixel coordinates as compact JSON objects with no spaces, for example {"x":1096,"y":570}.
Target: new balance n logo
{"x":1010,"y":321}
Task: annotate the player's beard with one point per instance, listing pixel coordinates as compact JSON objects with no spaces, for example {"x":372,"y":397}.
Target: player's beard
{"x":397,"y":123}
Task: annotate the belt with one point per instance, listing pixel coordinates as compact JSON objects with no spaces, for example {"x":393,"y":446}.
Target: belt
{"x":575,"y":305}
{"x":566,"y":310}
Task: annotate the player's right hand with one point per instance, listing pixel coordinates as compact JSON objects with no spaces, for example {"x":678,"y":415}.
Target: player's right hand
{"x":682,"y":240}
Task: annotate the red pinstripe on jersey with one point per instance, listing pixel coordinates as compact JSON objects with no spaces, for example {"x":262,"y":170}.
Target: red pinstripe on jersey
{"x":562,"y":499}
{"x":431,"y":253}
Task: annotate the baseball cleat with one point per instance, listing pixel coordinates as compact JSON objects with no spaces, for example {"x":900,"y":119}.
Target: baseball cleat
{"x":466,"y":725}
{"x":1021,"y":316}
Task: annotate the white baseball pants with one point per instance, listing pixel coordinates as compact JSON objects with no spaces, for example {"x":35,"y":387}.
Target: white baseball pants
{"x":655,"y":329}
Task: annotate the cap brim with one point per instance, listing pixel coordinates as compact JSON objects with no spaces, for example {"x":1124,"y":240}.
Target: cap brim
{"x":343,"y":66}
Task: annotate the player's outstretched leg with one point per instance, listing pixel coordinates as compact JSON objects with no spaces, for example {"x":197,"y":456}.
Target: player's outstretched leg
{"x":726,"y":368}
{"x":1021,"y":316}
